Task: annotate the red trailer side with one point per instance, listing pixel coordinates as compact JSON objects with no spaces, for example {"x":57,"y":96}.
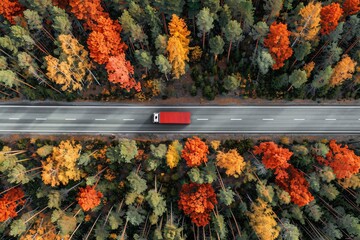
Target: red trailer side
{"x":175,"y":118}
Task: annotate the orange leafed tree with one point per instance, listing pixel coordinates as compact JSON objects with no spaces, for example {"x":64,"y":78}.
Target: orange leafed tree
{"x":279,"y":44}
{"x":274,"y":157}
{"x":88,"y":10}
{"x":195,"y":152}
{"x":342,"y":71}
{"x":9,"y":202}
{"x":178,"y":45}
{"x":197,"y":201}
{"x":351,"y":6}
{"x":120,"y":71}
{"x":105,"y":40}
{"x":10,"y":9}
{"x":296,"y":185}
{"x":88,"y":198}
{"x":231,"y":161}
{"x":342,"y":160}
{"x":330,"y":16}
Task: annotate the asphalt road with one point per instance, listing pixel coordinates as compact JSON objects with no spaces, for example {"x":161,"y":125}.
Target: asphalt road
{"x":205,"y":119}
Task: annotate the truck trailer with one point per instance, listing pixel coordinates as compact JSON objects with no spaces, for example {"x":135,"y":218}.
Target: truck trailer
{"x":172,"y":117}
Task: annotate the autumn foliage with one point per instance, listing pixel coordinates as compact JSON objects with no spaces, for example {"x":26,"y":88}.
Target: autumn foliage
{"x":309,"y":25}
{"x":88,"y":10}
{"x":88,"y":198}
{"x":10,"y":9}
{"x":296,"y":185}
{"x":351,"y":6}
{"x":287,"y":177}
{"x":61,"y":166}
{"x":197,"y":201}
{"x":9,"y":202}
{"x":104,"y":41}
{"x":231,"y":161}
{"x":342,"y":160}
{"x":262,"y":220}
{"x":279,"y":44}
{"x":195,"y":152}
{"x":178,"y":45}
{"x":342,"y":71}
{"x":121,"y":71}
{"x":330,"y":16}
{"x":273,"y":156}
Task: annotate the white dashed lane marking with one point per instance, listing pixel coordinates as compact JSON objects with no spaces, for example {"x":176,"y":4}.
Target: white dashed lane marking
{"x":202,"y":119}
{"x":235,"y":119}
{"x":299,"y":119}
{"x":330,"y":119}
{"x":128,"y":119}
{"x":14,"y":118}
{"x":41,"y":119}
{"x":100,"y":119}
{"x":70,"y":119}
{"x":268,"y":119}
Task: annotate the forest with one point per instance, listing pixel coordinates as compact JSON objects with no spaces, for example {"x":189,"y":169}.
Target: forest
{"x":113,"y":50}
{"x":185,"y":188}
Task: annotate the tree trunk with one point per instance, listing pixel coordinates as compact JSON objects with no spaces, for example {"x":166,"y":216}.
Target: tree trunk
{"x":164,"y":23}
{"x":203,"y":40}
{"x":228,"y":55}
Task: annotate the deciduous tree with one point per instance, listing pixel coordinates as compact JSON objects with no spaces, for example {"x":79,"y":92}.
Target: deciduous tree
{"x":309,"y":25}
{"x":9,"y":202}
{"x":88,"y":198}
{"x":61,"y":166}
{"x":351,"y":6}
{"x":178,"y":45}
{"x":279,"y":44}
{"x":173,"y":154}
{"x":262,"y":220}
{"x":195,"y":152}
{"x":120,"y":72}
{"x":297,"y":78}
{"x":231,"y":161}
{"x":342,"y":160}
{"x":330,"y":16}
{"x":10,"y":9}
{"x":197,"y":201}
{"x":342,"y":71}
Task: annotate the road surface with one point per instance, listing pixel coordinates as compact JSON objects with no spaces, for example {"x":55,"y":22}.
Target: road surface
{"x":205,"y":119}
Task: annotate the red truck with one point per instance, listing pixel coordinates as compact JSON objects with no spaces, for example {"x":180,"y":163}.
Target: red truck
{"x":172,"y":117}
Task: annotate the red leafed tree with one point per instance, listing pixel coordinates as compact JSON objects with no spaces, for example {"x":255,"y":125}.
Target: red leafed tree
{"x":351,"y":7}
{"x":330,"y":16}
{"x":88,"y":198}
{"x":9,"y":202}
{"x":120,"y":71}
{"x":342,"y":160}
{"x":195,"y":152}
{"x":105,"y":41}
{"x":279,"y":44}
{"x":296,"y":185}
{"x":197,"y":201}
{"x":273,"y":156}
{"x":10,"y":9}
{"x":88,"y":10}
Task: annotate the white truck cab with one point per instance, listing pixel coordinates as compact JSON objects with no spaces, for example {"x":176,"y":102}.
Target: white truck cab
{"x":155,"y":117}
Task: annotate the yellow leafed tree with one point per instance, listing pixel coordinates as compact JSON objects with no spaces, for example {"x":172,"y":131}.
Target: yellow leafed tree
{"x":178,"y":45}
{"x":173,"y":154}
{"x":309,"y":25}
{"x":342,"y":71}
{"x":72,"y":69}
{"x":308,"y":68}
{"x":262,"y":220}
{"x":61,"y":165}
{"x":231,"y":161}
